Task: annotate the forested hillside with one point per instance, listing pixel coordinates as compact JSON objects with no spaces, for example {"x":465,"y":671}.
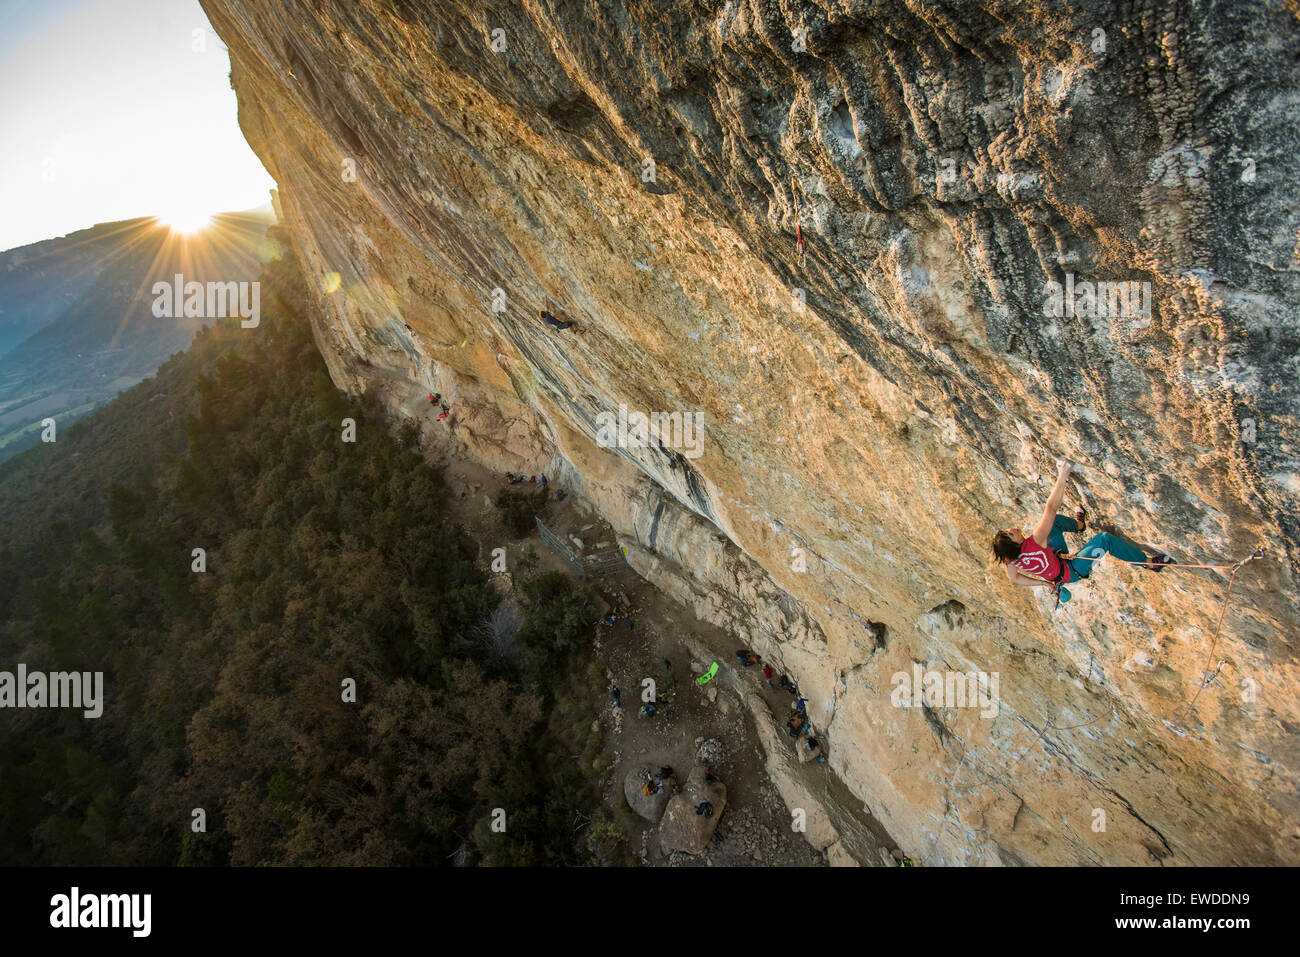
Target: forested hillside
{"x":326,"y":560}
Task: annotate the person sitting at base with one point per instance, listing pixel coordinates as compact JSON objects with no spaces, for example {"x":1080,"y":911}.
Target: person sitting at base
{"x":1043,"y":558}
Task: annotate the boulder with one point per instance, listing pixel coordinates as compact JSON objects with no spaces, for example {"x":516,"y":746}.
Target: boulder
{"x":649,"y":806}
{"x":684,"y":830}
{"x":806,"y":751}
{"x":711,"y":752}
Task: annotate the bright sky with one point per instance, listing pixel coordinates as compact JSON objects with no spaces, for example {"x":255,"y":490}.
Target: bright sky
{"x":112,"y":109}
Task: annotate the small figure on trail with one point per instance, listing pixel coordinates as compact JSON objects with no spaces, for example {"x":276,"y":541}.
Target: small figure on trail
{"x":767,"y":676}
{"x":668,"y":665}
{"x":543,"y":481}
{"x":609,"y":620}
{"x":444,"y":413}
{"x":435,"y":398}
{"x":1042,"y":558}
{"x":647,"y":710}
{"x":801,"y":705}
{"x":788,"y":685}
{"x":796,"y":724}
{"x":747,"y":657}
{"x":618,"y":701}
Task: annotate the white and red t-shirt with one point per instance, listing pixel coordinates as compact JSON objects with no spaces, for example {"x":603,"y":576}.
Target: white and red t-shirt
{"x":1043,"y":562}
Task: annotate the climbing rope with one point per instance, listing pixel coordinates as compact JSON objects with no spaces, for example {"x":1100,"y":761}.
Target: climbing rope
{"x":1258,"y":553}
{"x":799,"y":247}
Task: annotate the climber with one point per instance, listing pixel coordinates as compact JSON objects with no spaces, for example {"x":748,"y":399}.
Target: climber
{"x":1043,"y":557}
{"x":435,"y":398}
{"x":444,"y":413}
{"x":550,"y":320}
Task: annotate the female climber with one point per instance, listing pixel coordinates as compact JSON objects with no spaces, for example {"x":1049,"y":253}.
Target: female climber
{"x":1043,"y":557}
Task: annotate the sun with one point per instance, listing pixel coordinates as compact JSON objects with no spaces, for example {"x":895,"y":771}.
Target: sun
{"x":186,"y":220}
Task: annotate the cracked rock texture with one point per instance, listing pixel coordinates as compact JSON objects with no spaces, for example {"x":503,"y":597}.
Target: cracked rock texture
{"x":870,"y":418}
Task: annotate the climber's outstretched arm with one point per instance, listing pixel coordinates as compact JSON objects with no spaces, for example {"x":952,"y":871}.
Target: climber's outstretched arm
{"x":1023,"y":580}
{"x":1053,"y":505}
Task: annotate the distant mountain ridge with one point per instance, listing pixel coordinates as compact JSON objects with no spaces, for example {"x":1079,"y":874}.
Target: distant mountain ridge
{"x":76,"y":318}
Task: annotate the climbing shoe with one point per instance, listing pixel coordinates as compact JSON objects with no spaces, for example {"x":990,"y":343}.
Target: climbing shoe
{"x":1158,"y":563}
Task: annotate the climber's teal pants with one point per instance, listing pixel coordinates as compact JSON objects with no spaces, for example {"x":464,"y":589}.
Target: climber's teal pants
{"x":1097,"y":546}
{"x":1055,"y":540}
{"x":1104,"y":544}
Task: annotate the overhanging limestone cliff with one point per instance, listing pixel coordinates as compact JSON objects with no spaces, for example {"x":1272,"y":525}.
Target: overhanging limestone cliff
{"x":869,"y":418}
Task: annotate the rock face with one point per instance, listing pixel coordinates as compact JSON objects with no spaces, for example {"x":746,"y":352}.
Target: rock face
{"x":684,"y":830}
{"x":868,"y":419}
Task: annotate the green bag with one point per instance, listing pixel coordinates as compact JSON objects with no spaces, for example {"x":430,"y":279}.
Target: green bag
{"x":708,"y":675}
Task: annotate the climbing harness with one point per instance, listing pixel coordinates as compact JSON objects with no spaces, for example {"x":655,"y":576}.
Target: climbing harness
{"x":799,"y":248}
{"x":1057,"y":584}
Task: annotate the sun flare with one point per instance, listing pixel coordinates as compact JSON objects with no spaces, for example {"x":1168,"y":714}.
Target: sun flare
{"x":187,"y":222}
